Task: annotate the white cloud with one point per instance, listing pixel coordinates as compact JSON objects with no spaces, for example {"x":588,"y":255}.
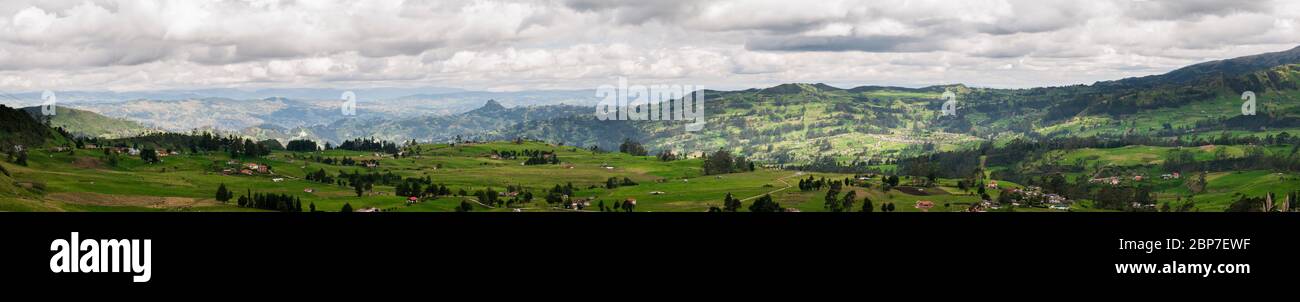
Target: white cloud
{"x":486,"y":44}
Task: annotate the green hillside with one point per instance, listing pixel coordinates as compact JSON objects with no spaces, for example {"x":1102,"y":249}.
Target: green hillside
{"x":86,"y":123}
{"x":798,"y":123}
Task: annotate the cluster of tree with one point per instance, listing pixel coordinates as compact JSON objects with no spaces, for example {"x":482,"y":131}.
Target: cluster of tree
{"x":632,"y":147}
{"x":722,"y":162}
{"x":614,"y":182}
{"x":343,"y":161}
{"x":812,"y":184}
{"x":194,"y":142}
{"x":18,"y":157}
{"x":730,"y":204}
{"x":765,"y":204}
{"x":465,"y":206}
{"x":370,"y":145}
{"x":538,"y":157}
{"x":320,"y":176}
{"x":248,"y":148}
{"x":829,"y":164}
{"x":667,"y":155}
{"x":489,"y":197}
{"x":420,"y":187}
{"x":149,"y":155}
{"x":521,"y":195}
{"x":508,"y":154}
{"x":302,"y":145}
{"x":362,"y":183}
{"x":275,"y":202}
{"x":558,"y":193}
{"x":832,"y":201}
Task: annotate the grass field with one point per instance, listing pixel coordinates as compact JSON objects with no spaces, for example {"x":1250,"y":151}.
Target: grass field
{"x":79,"y":181}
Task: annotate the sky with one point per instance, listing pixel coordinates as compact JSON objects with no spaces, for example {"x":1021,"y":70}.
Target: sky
{"x":132,"y":45}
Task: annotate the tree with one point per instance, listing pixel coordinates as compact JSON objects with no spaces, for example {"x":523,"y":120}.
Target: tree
{"x":223,"y":194}
{"x":21,"y":159}
{"x":464,"y":207}
{"x":1197,"y":184}
{"x":730,"y":204}
{"x":849,"y":198}
{"x":867,"y":207}
{"x":347,"y":208}
{"x":632,"y":147}
{"x":765,"y":204}
{"x":832,"y":201}
{"x":312,"y":206}
{"x":301,"y":145}
{"x":149,"y":155}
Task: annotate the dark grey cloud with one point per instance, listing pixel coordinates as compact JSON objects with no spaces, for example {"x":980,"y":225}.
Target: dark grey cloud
{"x":1188,"y":9}
{"x":842,"y":43}
{"x":637,"y":12}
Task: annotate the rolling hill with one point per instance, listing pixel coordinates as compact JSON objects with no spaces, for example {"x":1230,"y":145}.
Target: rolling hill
{"x":85,"y":123}
{"x":797,"y":123}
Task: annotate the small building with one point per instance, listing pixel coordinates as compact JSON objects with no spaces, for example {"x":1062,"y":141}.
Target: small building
{"x":993,"y":184}
{"x":277,"y":179}
{"x":308,"y":190}
{"x":924,"y":205}
{"x":412,"y":199}
{"x":246,"y":172}
{"x":657,"y":193}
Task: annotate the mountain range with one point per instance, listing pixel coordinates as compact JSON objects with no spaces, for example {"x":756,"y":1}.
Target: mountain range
{"x":788,"y":123}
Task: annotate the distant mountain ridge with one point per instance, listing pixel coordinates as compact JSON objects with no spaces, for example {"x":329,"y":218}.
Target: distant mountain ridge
{"x":800,"y":123}
{"x":805,"y":122}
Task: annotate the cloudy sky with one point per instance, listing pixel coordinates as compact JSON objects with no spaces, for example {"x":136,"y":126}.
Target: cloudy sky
{"x":580,"y":44}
